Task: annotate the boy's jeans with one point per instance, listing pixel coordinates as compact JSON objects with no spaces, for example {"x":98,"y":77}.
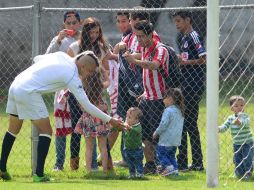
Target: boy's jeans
{"x":243,"y":155}
{"x":134,"y":159}
{"x":167,"y":156}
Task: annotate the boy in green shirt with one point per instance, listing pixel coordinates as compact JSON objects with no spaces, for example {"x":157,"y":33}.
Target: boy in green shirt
{"x":132,"y":140}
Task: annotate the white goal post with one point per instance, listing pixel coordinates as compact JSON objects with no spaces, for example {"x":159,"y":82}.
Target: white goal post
{"x":212,"y":103}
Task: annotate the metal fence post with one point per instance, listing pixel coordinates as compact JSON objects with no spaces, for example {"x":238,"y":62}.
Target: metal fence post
{"x":35,"y":51}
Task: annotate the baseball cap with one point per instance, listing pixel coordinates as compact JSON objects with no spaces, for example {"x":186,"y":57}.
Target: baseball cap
{"x":71,"y":13}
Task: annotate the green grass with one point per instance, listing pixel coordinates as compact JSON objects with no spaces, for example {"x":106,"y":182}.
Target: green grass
{"x":19,"y":164}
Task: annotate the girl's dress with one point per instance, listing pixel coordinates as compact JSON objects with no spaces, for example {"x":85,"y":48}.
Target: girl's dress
{"x":91,"y":126}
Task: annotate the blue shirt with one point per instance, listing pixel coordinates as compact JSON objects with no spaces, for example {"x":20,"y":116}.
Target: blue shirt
{"x":171,"y":126}
{"x":192,"y":47}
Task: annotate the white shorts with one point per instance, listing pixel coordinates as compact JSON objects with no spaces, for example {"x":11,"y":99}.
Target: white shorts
{"x":27,"y":105}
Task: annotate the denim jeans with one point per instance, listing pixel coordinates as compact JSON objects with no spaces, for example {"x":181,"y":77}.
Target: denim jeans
{"x":60,"y":143}
{"x":243,"y":155}
{"x":167,"y":156}
{"x":134,"y":159}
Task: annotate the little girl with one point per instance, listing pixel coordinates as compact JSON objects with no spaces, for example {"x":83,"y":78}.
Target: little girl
{"x":170,"y":131}
{"x":92,"y":127}
{"x":63,"y":126}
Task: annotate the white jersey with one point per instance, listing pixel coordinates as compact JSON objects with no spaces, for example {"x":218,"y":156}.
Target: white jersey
{"x":53,"y":72}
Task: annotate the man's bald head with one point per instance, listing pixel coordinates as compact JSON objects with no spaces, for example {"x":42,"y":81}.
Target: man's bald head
{"x":87,"y":57}
{"x":87,"y":63}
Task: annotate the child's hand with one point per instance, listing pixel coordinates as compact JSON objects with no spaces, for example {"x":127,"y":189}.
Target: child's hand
{"x":128,"y":127}
{"x":237,"y":122}
{"x":118,"y":124}
{"x":155,"y":136}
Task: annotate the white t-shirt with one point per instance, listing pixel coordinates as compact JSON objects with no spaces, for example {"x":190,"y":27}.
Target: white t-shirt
{"x":53,"y":72}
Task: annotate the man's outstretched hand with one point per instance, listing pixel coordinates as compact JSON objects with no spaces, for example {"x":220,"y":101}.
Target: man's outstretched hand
{"x":118,"y":124}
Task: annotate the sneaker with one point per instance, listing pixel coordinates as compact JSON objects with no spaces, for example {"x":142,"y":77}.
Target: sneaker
{"x":170,"y":171}
{"x":5,"y":176}
{"x":58,"y":168}
{"x":140,"y":175}
{"x":44,"y":178}
{"x":196,"y":168}
{"x":132,"y":176}
{"x":150,"y":168}
{"x":159,"y":169}
{"x":95,"y":169}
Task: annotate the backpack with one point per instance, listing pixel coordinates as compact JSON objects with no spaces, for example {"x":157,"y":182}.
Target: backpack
{"x":173,"y":80}
{"x":132,"y":77}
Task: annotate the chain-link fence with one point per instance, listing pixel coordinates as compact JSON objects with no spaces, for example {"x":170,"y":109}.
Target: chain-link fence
{"x":236,"y":72}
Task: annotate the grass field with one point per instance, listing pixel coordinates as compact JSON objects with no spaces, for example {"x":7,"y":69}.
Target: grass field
{"x":19,"y":165}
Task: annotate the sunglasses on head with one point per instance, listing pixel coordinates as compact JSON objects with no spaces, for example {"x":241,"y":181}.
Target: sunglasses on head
{"x":71,"y":22}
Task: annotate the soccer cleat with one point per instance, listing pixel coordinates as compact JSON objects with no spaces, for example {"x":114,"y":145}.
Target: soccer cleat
{"x":5,"y":176}
{"x":44,"y":178}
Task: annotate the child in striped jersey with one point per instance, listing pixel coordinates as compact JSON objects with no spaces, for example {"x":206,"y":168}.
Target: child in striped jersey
{"x":242,"y":137}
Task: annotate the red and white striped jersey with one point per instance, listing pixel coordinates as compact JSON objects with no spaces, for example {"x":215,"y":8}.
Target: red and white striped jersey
{"x":153,"y":81}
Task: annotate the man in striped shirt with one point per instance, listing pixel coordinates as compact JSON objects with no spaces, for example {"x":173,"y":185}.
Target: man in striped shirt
{"x":239,"y":123}
{"x":130,"y":75}
{"x":153,"y":58}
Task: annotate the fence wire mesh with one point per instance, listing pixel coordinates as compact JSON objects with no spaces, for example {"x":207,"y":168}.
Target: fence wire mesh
{"x":236,"y":73}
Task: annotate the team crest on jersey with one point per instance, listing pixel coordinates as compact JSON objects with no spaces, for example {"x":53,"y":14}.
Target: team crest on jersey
{"x":198,"y":46}
{"x":184,"y":56}
{"x":185,"y":44}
